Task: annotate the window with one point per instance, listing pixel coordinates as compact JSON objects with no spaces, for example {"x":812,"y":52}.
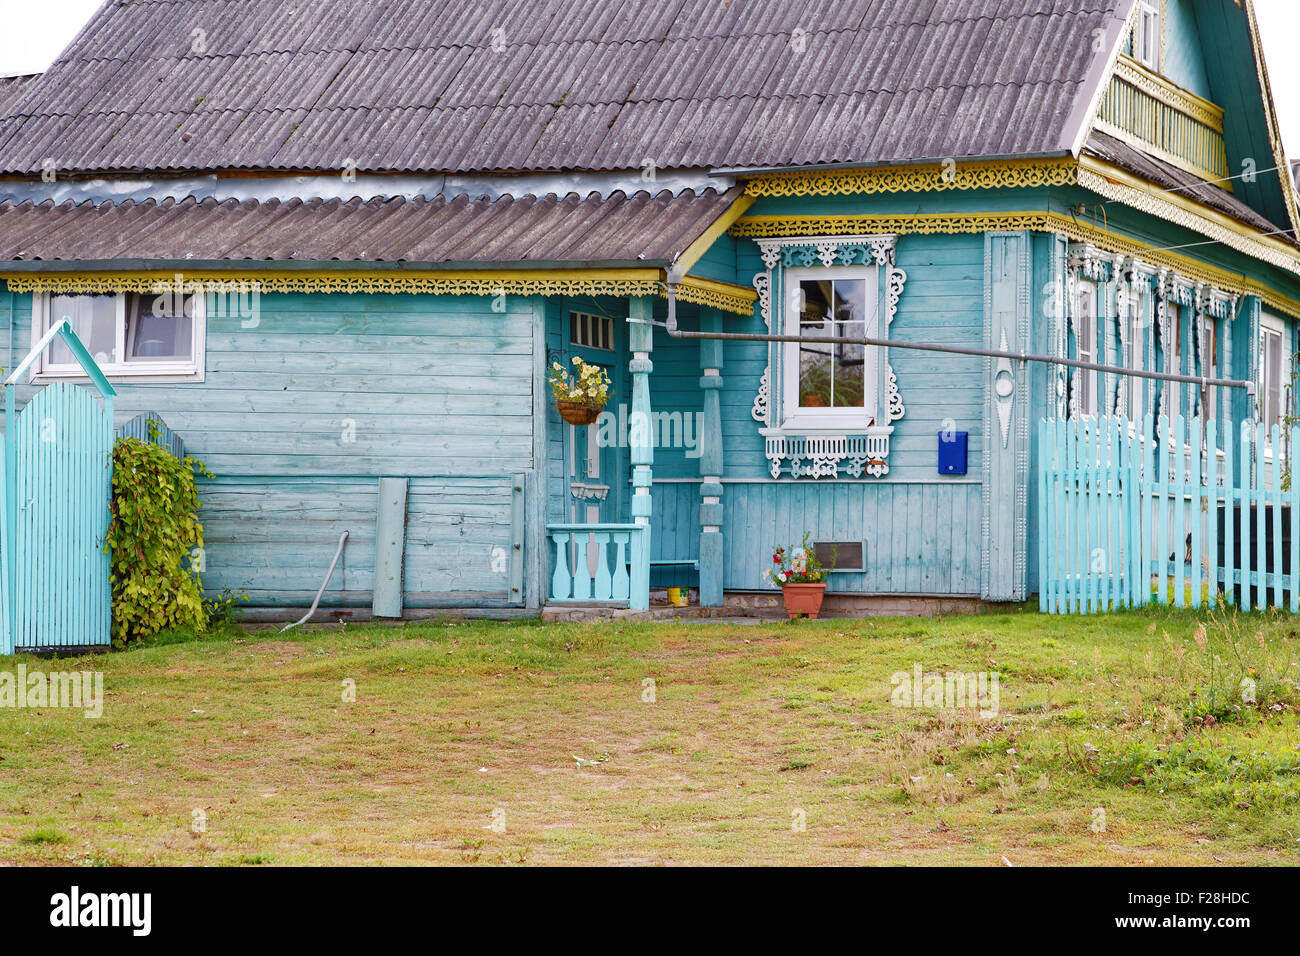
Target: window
{"x":1172,"y":355}
{"x":1136,"y":303}
{"x":1085,"y":333}
{"x":591,"y":331}
{"x":1147,"y":35}
{"x":128,"y":334}
{"x":1209,"y":352}
{"x":1274,"y":372}
{"x":831,"y":385}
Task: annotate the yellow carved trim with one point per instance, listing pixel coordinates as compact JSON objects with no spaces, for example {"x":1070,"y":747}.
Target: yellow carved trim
{"x":719,"y":295}
{"x":1114,"y":183}
{"x":895,"y":179}
{"x":619,"y":282}
{"x":1035,"y":221}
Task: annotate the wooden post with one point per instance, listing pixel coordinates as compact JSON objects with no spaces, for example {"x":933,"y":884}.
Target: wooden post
{"x":641,"y":441}
{"x":711,"y":564}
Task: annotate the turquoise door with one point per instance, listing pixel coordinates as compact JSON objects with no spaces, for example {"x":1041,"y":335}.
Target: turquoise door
{"x":594,"y":455}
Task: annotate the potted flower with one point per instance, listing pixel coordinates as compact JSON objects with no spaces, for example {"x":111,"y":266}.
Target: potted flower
{"x":580,"y":395}
{"x":801,"y":578}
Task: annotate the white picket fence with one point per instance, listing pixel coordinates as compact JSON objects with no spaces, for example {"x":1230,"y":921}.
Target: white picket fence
{"x":1131,"y":515}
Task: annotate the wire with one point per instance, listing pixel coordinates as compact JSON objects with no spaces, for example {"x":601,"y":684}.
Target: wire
{"x":1206,"y":182}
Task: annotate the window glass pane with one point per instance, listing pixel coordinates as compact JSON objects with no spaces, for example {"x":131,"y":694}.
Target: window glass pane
{"x":1274,"y":380}
{"x":816,"y":365}
{"x":93,"y":318}
{"x":850,"y":360}
{"x":157,"y":330}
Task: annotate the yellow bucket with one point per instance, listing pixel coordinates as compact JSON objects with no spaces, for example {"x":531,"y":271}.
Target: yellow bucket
{"x":679,"y":597}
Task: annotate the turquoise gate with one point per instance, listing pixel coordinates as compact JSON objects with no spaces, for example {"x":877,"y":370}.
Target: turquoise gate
{"x":1179,"y":512}
{"x":57,"y":462}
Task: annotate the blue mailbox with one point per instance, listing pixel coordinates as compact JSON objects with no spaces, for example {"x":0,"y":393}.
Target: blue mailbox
{"x":952,"y":453}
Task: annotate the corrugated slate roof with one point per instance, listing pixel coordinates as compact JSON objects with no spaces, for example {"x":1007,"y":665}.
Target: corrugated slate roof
{"x":1169,"y":177}
{"x":431,"y":85}
{"x":569,"y":229}
{"x":12,"y":88}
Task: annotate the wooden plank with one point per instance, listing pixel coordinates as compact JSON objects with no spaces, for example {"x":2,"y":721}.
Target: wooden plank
{"x":1164,"y":511}
{"x":518,"y":503}
{"x":1259,"y":496}
{"x":1275,"y":506}
{"x":1133,"y":480}
{"x":1194,"y":483}
{"x":1229,"y":512}
{"x":1178,"y":500}
{"x":1243,"y":564}
{"x":1150,"y":507}
{"x":1044,"y":515}
{"x":1293,"y":497}
{"x":1212,"y":511}
{"x":390,"y":546}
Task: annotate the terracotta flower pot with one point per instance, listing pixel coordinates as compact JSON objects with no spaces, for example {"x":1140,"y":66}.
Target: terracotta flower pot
{"x":803,"y":599}
{"x":576,"y":413}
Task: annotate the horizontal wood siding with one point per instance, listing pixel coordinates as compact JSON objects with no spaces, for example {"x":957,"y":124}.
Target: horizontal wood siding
{"x":299,"y":416}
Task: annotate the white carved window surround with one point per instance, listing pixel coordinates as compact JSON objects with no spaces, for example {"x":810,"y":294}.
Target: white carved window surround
{"x":1142,"y":312}
{"x":828,"y":410}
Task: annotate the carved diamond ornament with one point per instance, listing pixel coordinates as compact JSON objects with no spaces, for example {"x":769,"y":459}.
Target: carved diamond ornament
{"x":855,"y":455}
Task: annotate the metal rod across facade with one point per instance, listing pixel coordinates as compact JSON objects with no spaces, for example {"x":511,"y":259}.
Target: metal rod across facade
{"x":675,"y":332}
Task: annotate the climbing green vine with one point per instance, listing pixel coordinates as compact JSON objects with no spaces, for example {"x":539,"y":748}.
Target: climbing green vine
{"x":154,"y":537}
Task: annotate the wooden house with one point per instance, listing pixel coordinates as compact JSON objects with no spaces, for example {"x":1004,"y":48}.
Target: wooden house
{"x":374,"y":226}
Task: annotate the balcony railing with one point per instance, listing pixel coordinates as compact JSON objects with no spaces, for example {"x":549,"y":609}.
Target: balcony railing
{"x":1166,"y":120}
{"x":600,"y":564}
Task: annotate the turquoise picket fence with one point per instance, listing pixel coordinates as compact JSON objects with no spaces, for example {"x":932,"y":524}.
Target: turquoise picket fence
{"x":1171,"y":512}
{"x":54,"y":514}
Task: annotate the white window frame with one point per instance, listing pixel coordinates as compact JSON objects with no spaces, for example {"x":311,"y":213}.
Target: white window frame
{"x":1272,"y":326}
{"x":1173,"y":364}
{"x":846,"y":420}
{"x":1147,"y":35}
{"x":1209,"y":352}
{"x":592,"y":328}
{"x":190,"y":369}
{"x":1137,"y":304}
{"x":1086,"y":326}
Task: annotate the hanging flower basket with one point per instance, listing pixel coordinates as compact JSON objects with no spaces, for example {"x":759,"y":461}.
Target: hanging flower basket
{"x":580,"y":395}
{"x":576,"y":413}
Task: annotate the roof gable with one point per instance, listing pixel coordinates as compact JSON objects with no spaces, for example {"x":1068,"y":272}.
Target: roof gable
{"x":440,"y":85}
{"x":1215,"y":119}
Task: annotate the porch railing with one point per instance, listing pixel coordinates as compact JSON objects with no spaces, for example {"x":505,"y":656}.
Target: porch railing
{"x":600,"y":563}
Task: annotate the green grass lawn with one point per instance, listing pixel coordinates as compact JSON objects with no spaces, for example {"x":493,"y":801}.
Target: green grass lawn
{"x":1120,"y":740}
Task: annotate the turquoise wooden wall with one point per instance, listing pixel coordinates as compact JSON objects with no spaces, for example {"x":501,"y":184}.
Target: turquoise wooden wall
{"x":1184,"y":62}
{"x":300,"y":416}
